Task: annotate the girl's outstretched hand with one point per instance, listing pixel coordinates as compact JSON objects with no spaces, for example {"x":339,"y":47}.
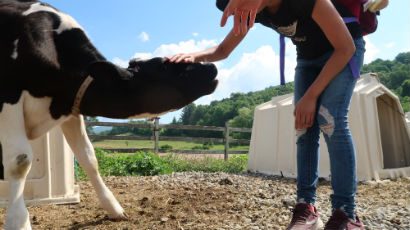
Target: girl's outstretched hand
{"x":243,"y":10}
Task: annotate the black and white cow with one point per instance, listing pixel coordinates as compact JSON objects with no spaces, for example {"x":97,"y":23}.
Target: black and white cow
{"x":51,"y":75}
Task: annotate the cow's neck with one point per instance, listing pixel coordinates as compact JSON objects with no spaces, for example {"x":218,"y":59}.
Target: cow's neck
{"x":99,"y":101}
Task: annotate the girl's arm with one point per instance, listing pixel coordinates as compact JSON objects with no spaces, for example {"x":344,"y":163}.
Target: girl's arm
{"x":219,"y":52}
{"x":327,"y":17}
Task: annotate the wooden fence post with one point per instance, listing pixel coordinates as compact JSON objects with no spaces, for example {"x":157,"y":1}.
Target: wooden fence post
{"x":226,"y":151}
{"x":156,"y":134}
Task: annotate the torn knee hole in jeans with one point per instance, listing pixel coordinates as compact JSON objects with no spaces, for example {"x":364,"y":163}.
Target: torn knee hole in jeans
{"x":329,"y":127}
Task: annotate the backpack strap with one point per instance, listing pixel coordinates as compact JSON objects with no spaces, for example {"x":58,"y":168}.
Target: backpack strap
{"x":347,"y":20}
{"x":282,"y":58}
{"x":354,"y":68}
{"x":352,"y":64}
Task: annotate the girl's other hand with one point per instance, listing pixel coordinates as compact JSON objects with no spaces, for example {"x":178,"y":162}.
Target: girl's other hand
{"x":304,"y":112}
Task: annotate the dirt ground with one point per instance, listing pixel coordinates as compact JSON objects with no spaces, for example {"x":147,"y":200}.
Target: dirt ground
{"x":212,"y":201}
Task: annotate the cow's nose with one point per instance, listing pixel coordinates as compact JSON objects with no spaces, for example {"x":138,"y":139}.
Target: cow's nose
{"x":209,"y":71}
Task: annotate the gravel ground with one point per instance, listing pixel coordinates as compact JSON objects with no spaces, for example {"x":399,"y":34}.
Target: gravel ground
{"x":218,"y":201}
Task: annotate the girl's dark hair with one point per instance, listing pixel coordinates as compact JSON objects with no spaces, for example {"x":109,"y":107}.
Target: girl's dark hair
{"x":221,"y":4}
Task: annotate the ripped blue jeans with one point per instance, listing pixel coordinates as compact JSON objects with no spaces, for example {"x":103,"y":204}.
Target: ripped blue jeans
{"x":331,"y":118}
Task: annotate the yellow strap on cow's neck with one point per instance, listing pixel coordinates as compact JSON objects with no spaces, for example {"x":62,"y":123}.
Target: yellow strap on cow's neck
{"x":79,"y":96}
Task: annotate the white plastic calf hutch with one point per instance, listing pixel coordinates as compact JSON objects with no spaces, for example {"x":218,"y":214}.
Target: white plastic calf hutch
{"x":378,"y":126}
{"x":408,"y":120}
{"x":51,"y":178}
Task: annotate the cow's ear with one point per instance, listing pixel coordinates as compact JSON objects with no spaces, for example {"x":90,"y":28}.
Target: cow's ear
{"x":108,"y":72}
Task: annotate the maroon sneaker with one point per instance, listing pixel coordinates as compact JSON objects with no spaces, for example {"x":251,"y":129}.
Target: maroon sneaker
{"x":340,"y":221}
{"x":305,"y":217}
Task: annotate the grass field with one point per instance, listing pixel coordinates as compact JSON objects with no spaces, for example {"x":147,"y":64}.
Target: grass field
{"x":176,"y":145}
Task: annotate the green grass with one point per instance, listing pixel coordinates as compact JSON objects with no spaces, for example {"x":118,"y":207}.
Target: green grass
{"x":149,"y":164}
{"x":235,"y":164}
{"x":180,"y":145}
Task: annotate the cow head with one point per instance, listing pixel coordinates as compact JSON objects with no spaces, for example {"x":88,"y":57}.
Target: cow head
{"x":147,"y":87}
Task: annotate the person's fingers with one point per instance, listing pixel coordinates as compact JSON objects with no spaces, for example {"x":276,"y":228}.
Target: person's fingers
{"x":309,"y":121}
{"x":173,"y":58}
{"x":227,"y":13}
{"x":176,"y":58}
{"x":186,"y":58}
{"x":252,"y":17}
{"x":244,"y":22}
{"x":298,"y":120}
{"x":303,"y":121}
{"x":237,"y":22}
{"x":181,"y":58}
{"x":189,"y":59}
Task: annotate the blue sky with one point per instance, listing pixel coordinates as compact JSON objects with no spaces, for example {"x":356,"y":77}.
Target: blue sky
{"x":123,"y":29}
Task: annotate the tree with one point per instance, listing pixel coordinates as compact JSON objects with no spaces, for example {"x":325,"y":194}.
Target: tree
{"x":403,"y":58}
{"x":405,"y":88}
{"x":187,"y":112}
{"x":244,"y":119}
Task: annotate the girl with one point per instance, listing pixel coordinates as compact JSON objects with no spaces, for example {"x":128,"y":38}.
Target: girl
{"x":329,"y":57}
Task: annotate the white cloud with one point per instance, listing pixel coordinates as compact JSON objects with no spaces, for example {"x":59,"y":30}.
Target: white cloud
{"x":195,"y":34}
{"x":143,"y":55}
{"x":144,"y":36}
{"x":171,"y":49}
{"x":184,"y":47}
{"x":371,"y":51}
